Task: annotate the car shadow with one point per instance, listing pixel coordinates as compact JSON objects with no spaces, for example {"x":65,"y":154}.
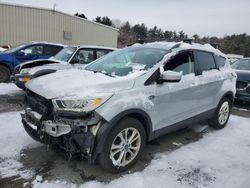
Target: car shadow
{"x":51,"y":164}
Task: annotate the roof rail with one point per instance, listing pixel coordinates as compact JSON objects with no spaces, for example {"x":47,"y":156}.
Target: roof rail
{"x":176,"y":45}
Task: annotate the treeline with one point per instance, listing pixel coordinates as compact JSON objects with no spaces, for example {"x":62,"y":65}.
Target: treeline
{"x":130,"y":34}
{"x":233,"y":44}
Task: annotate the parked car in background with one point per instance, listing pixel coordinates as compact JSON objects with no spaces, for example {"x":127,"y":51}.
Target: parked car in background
{"x":109,"y":110}
{"x":233,"y":57}
{"x":2,"y":49}
{"x":242,"y":69}
{"x":68,"y":58}
{"x":9,"y":59}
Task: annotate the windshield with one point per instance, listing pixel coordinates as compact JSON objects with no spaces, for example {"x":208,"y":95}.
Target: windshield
{"x":242,"y":64}
{"x":16,"y":48}
{"x":65,"y":54}
{"x":127,"y":60}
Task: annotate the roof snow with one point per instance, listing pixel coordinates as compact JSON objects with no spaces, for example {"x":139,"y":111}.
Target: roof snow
{"x":177,"y":46}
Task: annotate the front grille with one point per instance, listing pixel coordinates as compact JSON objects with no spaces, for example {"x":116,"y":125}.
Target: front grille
{"x":241,"y":84}
{"x":39,"y":104}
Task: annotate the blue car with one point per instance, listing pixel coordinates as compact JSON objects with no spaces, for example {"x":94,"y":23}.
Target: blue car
{"x":9,"y":59}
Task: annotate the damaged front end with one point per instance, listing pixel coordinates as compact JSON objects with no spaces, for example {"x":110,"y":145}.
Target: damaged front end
{"x":74,"y":132}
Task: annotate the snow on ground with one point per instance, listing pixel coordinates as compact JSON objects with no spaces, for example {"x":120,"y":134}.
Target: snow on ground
{"x":9,"y":89}
{"x":13,"y":139}
{"x":220,"y":159}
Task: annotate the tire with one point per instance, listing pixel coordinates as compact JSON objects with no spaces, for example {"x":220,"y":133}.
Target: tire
{"x":221,"y":115}
{"x":114,"y":145}
{"x":4,"y":74}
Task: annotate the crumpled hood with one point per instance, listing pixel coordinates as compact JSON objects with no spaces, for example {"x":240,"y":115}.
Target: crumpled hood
{"x":77,"y":83}
{"x":37,"y":62}
{"x":53,"y":66}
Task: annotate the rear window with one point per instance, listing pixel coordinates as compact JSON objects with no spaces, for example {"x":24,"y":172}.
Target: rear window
{"x":205,"y":60}
{"x":221,"y":61}
{"x":51,"y":50}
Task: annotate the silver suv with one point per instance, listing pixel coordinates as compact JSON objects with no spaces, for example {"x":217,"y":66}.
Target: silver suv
{"x":110,"y":110}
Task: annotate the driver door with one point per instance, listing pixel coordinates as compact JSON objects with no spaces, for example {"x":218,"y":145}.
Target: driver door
{"x":175,"y":102}
{"x":82,"y":57}
{"x":30,"y":53}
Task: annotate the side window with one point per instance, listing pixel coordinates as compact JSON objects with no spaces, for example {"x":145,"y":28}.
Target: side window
{"x":84,"y":56}
{"x":181,"y":63}
{"x":33,"y":50}
{"x":220,"y":61}
{"x":205,"y":61}
{"x":100,"y":53}
{"x":51,"y":50}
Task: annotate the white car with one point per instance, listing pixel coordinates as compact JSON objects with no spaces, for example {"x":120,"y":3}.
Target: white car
{"x":68,"y":58}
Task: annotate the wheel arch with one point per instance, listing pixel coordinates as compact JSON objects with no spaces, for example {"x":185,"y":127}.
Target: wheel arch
{"x":229,"y":95}
{"x":106,"y":127}
{"x":6,"y":65}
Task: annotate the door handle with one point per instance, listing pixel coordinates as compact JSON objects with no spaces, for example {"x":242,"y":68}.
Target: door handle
{"x":151,"y":97}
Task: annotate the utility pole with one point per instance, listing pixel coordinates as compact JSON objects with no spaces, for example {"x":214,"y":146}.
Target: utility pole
{"x":54,"y":8}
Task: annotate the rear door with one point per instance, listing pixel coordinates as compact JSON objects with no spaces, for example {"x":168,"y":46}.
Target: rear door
{"x":210,"y":79}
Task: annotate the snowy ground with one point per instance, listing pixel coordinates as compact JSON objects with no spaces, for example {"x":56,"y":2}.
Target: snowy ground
{"x":9,"y":89}
{"x":219,"y":159}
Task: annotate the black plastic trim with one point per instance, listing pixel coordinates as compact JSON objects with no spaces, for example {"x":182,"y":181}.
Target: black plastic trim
{"x":106,"y":127}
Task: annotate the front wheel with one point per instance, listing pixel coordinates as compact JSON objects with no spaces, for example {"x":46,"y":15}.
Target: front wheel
{"x":123,"y":146}
{"x":221,"y":115}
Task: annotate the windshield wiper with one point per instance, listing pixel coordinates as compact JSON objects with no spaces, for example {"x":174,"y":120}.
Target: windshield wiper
{"x":105,"y":73}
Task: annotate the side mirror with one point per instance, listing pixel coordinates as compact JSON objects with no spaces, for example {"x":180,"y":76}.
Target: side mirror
{"x":170,"y":76}
{"x":75,"y":61}
{"x":20,"y":53}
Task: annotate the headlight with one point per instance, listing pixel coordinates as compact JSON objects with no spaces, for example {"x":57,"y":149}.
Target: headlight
{"x":79,"y":105}
{"x":24,"y":79}
{"x":24,"y":71}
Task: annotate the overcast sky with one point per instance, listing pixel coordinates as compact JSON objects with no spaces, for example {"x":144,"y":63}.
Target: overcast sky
{"x":204,"y":17}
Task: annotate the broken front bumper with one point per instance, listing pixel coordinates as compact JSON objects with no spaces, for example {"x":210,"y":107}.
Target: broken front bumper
{"x":71,"y":139}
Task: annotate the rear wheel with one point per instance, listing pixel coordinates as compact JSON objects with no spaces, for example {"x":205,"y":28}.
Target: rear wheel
{"x":4,"y":74}
{"x":123,"y":146}
{"x":222,"y":114}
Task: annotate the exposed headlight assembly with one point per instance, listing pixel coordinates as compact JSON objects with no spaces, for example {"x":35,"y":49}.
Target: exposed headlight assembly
{"x":79,"y":105}
{"x":24,"y":71}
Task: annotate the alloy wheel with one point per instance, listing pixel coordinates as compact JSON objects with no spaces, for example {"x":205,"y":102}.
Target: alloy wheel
{"x":125,"y":147}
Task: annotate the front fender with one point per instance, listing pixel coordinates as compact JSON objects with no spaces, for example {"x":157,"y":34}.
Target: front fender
{"x":106,"y":127}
